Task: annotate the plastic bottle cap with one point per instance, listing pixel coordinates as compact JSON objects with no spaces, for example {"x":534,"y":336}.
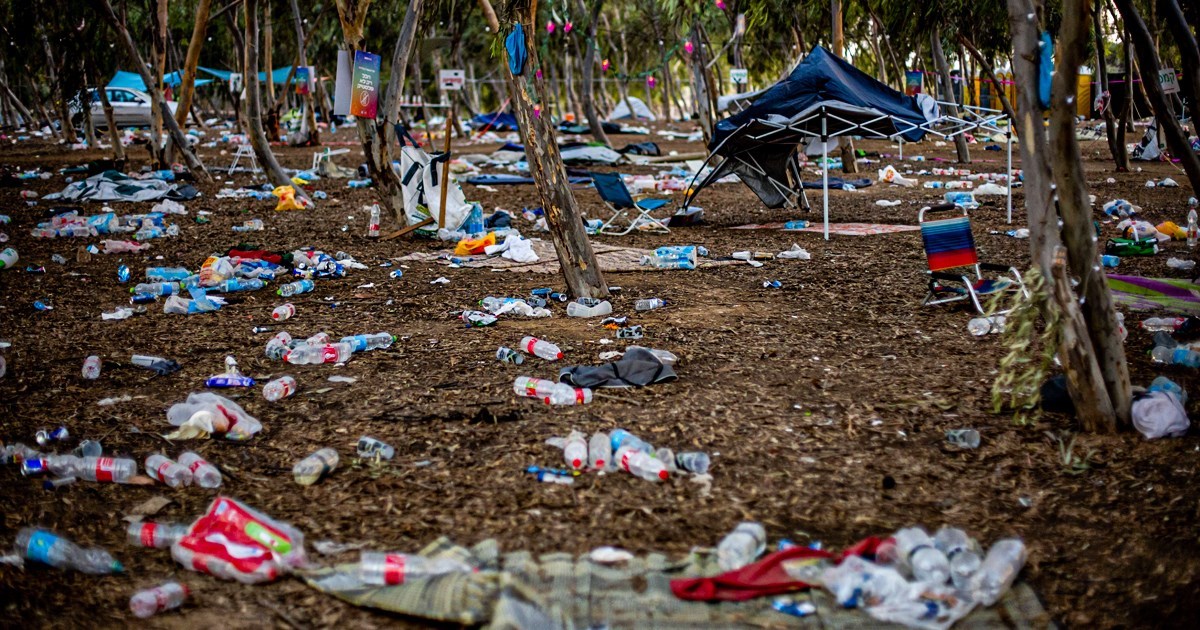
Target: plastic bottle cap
{"x":662,"y":474}
{"x":577,"y":463}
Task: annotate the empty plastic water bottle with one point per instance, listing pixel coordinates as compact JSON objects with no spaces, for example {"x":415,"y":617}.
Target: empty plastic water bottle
{"x":369,"y":447}
{"x":540,"y":348}
{"x":296,"y":288}
{"x":649,"y":305}
{"x":916,"y":549}
{"x":640,"y":464}
{"x":147,"y":603}
{"x":91,"y":368}
{"x":531,"y":387}
{"x":154,"y":535}
{"x":159,"y":365}
{"x":741,"y":546}
{"x":388,"y":569}
{"x":277,"y":346}
{"x":283,"y":312}
{"x":575,"y":309}
{"x":204,"y":474}
{"x":104,"y":469}
{"x":998,"y":571}
{"x":374,"y":341}
{"x":46,"y":547}
{"x":564,"y":394}
{"x":168,"y":471}
{"x":981,"y":326}
{"x":960,"y":549}
{"x":667,"y":263}
{"x":166,"y":274}
{"x":312,"y":468}
{"x":693,"y":462}
{"x":313,"y":355}
{"x":1166,"y":324}
{"x":621,"y":437}
{"x":1193,"y":230}
{"x":280,"y":388}
{"x":1176,"y":356}
{"x":241,"y":284}
{"x":599,"y":451}
{"x":575,"y":450}
{"x":156,"y":288}
{"x":253,"y":225}
{"x":318,"y":339}
{"x":373,"y":223}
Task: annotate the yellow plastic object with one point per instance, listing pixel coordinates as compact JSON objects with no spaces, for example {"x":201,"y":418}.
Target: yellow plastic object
{"x":1171,"y":229}
{"x":474,"y":246}
{"x":287,"y":199}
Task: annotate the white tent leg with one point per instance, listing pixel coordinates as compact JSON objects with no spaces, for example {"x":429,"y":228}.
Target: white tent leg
{"x":901,"y":149}
{"x":1010,"y":174}
{"x":825,"y":175}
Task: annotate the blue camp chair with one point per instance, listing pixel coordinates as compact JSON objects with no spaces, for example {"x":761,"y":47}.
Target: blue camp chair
{"x":616,"y":197}
{"x":949,"y":245}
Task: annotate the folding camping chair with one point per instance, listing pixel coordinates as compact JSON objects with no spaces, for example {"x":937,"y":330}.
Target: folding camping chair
{"x":616,"y":197}
{"x":949,"y":245}
{"x":245,"y":151}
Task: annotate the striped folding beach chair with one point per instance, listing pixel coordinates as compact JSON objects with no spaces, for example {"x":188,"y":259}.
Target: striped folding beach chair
{"x":950,"y":251}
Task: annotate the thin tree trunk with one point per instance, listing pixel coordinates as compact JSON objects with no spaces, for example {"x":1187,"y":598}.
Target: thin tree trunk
{"x":1076,"y":212}
{"x":60,"y":97}
{"x":1125,"y":120}
{"x":1116,"y":147}
{"x":704,"y":107}
{"x":190,"y":158}
{"x":160,"y":152}
{"x":27,"y":118}
{"x":310,"y":113}
{"x":254,"y":109}
{"x":1189,"y":53}
{"x":268,"y":33}
{"x":85,"y":108}
{"x":849,"y":160}
{"x":1148,"y":66}
{"x":575,"y":254}
{"x":1085,"y":383}
{"x":943,"y":69}
{"x":187,"y":86}
{"x":589,"y":69}
{"x":114,"y":134}
{"x":997,"y":88}
{"x":378,"y":135}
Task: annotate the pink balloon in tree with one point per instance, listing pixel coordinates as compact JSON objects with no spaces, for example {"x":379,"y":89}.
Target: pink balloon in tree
{"x":550,"y":27}
{"x":651,"y":82}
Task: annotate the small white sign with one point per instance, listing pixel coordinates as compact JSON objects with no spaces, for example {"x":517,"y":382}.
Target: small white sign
{"x":739,"y":75}
{"x":1168,"y":81}
{"x":452,"y":79}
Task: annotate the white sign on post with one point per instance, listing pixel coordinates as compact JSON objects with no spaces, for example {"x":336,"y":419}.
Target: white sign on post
{"x":739,"y":75}
{"x":452,"y":80}
{"x":1168,"y":81}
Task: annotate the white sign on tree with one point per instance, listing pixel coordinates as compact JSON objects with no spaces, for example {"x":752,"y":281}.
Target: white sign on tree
{"x":739,"y":75}
{"x":452,"y":80}
{"x":1168,"y":81}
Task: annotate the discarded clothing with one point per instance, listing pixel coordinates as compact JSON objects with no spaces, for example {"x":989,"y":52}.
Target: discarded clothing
{"x":116,"y":186}
{"x":508,"y":180}
{"x":1159,"y":414}
{"x":641,"y":148}
{"x":765,"y":577}
{"x":837,"y":183}
{"x":589,"y":154}
{"x":638,"y":368}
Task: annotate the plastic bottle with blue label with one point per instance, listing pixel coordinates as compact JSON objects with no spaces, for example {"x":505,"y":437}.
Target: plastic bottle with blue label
{"x":46,"y":547}
{"x":241,"y":284}
{"x":1176,"y":356}
{"x":375,"y":341}
{"x":296,"y":288}
{"x":156,"y":288}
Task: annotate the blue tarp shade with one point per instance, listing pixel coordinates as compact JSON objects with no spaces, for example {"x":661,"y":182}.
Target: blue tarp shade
{"x":280,"y":75}
{"x":133,"y":80}
{"x":759,"y":143}
{"x":495,"y":121}
{"x":223,"y":75}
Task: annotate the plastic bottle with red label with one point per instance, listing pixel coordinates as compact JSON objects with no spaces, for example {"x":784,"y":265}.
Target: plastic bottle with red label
{"x":105,"y":469}
{"x":147,"y":603}
{"x":168,"y":471}
{"x":154,"y":535}
{"x":389,"y":569}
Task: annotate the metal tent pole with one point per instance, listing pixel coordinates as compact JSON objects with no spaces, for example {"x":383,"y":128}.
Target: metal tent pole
{"x":825,"y":171}
{"x":1010,"y":173}
{"x":901,"y":148}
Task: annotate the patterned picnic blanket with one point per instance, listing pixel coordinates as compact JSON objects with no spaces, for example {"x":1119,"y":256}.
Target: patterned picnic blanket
{"x":611,"y":258}
{"x":843,"y":229}
{"x":1174,"y":294}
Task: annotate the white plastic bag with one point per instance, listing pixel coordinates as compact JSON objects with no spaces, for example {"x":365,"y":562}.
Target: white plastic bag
{"x":1160,"y":414}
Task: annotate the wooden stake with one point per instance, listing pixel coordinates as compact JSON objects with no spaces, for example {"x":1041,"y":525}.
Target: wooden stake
{"x":445,"y":170}
{"x":405,"y":230}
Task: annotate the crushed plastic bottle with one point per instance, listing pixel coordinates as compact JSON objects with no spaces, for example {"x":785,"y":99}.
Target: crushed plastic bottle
{"x":742,"y":546}
{"x":575,"y":309}
{"x":313,"y":355}
{"x":540,"y":348}
{"x":154,"y":535}
{"x":389,"y":569}
{"x":283,"y":312}
{"x":232,"y":377}
{"x":46,"y":547}
{"x":508,"y":355}
{"x":204,"y":474}
{"x":982,"y":326}
{"x":280,"y":388}
{"x":1176,"y":356}
{"x":311,"y":469}
{"x":277,"y":346}
{"x":1167,"y":324}
{"x":999,"y":569}
{"x":599,"y":451}
{"x":369,"y":447}
{"x":91,"y":368}
{"x":167,"y":596}
{"x":961,"y":551}
{"x":649,"y":305}
{"x":693,"y":462}
{"x":917,"y":551}
{"x":168,"y":471}
{"x":159,"y":365}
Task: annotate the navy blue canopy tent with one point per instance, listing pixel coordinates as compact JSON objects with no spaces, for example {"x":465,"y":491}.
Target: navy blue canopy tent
{"x":824,"y":97}
{"x":497,"y":121}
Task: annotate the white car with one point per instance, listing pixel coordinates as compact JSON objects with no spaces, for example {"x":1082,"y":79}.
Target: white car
{"x":131,"y":108}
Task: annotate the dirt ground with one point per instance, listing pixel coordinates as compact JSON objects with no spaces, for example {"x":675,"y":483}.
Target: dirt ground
{"x":823,"y":404}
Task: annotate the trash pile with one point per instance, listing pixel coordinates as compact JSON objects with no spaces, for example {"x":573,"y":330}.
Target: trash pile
{"x":608,"y":452}
{"x":144,"y":227}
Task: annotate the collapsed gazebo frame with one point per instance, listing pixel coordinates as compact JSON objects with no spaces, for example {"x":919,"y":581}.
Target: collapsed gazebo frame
{"x":827,"y":121}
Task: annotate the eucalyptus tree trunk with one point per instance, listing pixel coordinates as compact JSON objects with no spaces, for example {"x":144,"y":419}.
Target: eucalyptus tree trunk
{"x":587,"y":90}
{"x":1120,"y":153}
{"x":254,"y":108}
{"x":310,"y":109}
{"x":187,"y":85}
{"x":114,"y":135}
{"x":943,"y":70}
{"x":1189,"y":53}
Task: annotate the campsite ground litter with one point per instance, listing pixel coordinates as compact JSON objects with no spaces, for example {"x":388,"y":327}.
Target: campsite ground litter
{"x":823,"y":403}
